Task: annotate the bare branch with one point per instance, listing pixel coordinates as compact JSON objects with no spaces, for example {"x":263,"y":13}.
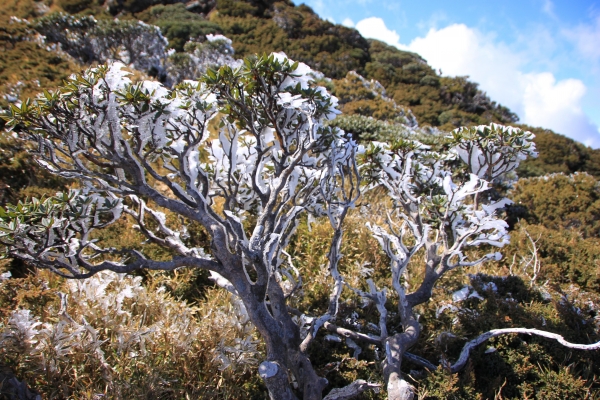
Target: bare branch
{"x":139,"y":263}
{"x":472,"y":344}
{"x":464,"y":354}
{"x":347,"y":333}
{"x":352,"y":390}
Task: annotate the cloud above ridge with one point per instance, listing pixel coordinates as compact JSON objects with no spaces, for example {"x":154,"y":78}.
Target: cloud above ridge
{"x":538,"y":98}
{"x":374,"y":28}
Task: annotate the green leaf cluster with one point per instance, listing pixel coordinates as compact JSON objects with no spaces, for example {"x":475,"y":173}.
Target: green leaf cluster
{"x":31,"y":217}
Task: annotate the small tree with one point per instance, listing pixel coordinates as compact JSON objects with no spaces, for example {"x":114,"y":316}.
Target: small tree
{"x":245,"y":153}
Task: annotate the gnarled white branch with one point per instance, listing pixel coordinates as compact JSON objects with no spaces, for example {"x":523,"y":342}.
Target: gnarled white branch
{"x":469,"y":346}
{"x":352,"y":390}
{"x":464,"y":354}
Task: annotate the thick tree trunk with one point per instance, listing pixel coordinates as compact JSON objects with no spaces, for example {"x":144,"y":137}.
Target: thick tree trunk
{"x":283,"y":358}
{"x":395,"y":347}
{"x":282,"y":340}
{"x":276,"y":380}
{"x":310,"y":383}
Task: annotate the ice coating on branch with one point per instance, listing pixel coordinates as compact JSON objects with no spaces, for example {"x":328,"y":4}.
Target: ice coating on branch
{"x":445,"y":307}
{"x":493,"y":150}
{"x":116,"y":76}
{"x":432,"y":202}
{"x":213,"y":38}
{"x":156,"y":90}
{"x":458,"y":193}
{"x":302,"y":73}
{"x":24,"y":326}
{"x":5,"y":276}
{"x":254,"y":154}
{"x":461,"y":295}
{"x":288,"y":100}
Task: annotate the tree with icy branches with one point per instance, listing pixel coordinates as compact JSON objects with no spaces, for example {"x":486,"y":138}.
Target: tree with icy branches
{"x":246,"y":153}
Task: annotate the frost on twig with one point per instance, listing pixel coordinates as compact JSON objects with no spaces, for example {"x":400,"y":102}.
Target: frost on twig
{"x":531,"y":262}
{"x":111,"y":317}
{"x":352,"y":390}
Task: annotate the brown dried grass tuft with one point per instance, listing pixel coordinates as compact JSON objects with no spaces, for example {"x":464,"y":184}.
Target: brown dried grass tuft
{"x":111,"y":336}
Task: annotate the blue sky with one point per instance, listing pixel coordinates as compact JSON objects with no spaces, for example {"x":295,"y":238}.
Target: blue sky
{"x":541,"y":58}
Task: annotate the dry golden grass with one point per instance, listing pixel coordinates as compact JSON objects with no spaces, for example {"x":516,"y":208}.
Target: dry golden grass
{"x":112,"y":336}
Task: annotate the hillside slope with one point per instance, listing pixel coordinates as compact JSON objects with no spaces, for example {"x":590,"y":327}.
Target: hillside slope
{"x":266,"y":26}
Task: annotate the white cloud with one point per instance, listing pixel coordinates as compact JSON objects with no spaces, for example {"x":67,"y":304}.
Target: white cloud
{"x":460,"y":50}
{"x":548,"y":8}
{"x":557,"y":105}
{"x":348,"y":22}
{"x":538,"y":98}
{"x":374,"y":28}
{"x":586,"y":38}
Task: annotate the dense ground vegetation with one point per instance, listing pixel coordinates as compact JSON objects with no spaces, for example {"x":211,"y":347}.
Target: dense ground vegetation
{"x":548,"y":278}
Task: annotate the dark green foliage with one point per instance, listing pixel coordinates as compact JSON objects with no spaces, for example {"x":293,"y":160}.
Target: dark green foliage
{"x":25,"y":292}
{"x":358,"y":96}
{"x":565,"y":256}
{"x":430,"y":80}
{"x":466,"y":95}
{"x":178,"y":24}
{"x":513,"y":366}
{"x":12,"y":33}
{"x":366,"y":129}
{"x":563,"y":213}
{"x":558,"y":153}
{"x":233,"y":8}
{"x":437,"y":101}
{"x":439,"y":384}
{"x":74,"y":6}
{"x":561,"y":202}
{"x":135,"y":6}
{"x":299,"y":32}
